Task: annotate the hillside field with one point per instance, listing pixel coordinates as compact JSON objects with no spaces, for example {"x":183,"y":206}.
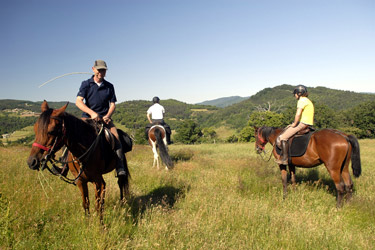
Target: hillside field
{"x":219,"y":196}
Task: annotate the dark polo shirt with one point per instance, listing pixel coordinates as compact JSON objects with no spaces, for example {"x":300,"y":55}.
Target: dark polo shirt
{"x":97,"y":98}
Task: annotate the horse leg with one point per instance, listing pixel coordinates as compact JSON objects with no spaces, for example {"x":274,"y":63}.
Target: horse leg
{"x":166,"y":146}
{"x":292,"y":170}
{"x":156,"y":156}
{"x":339,"y":183}
{"x":100,"y":195}
{"x":347,"y":181}
{"x":284,"y":179}
{"x":82,"y":185}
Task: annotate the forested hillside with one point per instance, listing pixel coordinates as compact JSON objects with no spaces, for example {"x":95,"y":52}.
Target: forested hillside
{"x":352,"y":112}
{"x":35,"y":106}
{"x":279,"y":99}
{"x":224,"y":101}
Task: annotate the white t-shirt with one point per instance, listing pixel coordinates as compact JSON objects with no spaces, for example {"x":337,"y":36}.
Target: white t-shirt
{"x":156,"y":111}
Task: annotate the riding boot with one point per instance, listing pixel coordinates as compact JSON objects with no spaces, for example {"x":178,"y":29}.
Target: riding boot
{"x":168,"y":135}
{"x":120,"y":162}
{"x":284,"y":152}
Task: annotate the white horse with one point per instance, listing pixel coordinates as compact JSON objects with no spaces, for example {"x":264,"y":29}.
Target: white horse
{"x":157,"y":140}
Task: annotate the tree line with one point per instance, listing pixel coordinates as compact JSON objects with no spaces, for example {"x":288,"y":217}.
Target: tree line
{"x":348,"y":111}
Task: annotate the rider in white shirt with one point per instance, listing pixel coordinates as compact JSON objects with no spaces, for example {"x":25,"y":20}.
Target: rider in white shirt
{"x":155,"y":112}
{"x":155,"y":115}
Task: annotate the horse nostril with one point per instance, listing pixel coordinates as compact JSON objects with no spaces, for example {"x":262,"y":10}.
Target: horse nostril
{"x":33,"y":163}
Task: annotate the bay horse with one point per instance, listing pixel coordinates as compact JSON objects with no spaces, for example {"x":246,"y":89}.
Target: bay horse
{"x":157,"y":140}
{"x":90,"y":155}
{"x":331,"y":147}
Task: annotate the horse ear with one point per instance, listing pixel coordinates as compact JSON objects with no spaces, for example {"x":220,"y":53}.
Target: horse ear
{"x":61,"y":110}
{"x":256,"y":128}
{"x":44,"y":106}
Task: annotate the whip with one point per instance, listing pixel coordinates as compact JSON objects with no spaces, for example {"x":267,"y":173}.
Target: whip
{"x":67,"y":74}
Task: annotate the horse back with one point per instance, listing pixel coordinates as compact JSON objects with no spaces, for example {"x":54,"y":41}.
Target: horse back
{"x":322,"y":146}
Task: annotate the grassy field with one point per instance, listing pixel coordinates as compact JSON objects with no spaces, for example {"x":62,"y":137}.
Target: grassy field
{"x":19,"y":134}
{"x":219,"y":196}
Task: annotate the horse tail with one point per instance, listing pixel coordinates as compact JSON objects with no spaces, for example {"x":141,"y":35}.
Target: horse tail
{"x":163,"y":149}
{"x":356,"y":157}
{"x":123,"y":182}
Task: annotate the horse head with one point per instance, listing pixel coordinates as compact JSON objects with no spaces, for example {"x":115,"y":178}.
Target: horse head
{"x":48,"y":135}
{"x":260,"y":140}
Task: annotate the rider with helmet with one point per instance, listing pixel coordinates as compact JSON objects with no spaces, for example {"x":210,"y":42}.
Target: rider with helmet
{"x":155,"y":115}
{"x":304,"y":117}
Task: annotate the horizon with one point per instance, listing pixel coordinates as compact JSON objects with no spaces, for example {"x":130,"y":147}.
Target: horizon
{"x":224,"y":97}
{"x":192,"y":51}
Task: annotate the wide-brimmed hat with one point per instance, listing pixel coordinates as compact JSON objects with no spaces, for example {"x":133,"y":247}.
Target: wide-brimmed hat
{"x":100,"y":64}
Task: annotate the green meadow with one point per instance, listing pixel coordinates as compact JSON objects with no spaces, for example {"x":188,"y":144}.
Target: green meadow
{"x":219,"y":196}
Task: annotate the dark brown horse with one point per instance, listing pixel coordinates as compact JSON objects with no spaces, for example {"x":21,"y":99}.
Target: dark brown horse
{"x":91,"y":156}
{"x":331,"y":147}
{"x":157,"y":140}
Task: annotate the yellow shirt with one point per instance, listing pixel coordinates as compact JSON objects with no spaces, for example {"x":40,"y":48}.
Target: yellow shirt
{"x":307,"y":107}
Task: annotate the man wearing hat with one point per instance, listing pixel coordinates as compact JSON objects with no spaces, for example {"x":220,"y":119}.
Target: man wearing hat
{"x":100,"y":98}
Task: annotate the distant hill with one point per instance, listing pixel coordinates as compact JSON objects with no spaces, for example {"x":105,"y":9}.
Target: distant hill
{"x":279,"y":98}
{"x":224,"y":101}
{"x":35,"y":106}
{"x":132,"y":114}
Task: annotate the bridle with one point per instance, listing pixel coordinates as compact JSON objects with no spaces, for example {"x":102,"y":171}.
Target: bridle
{"x":262,"y":145}
{"x":262,"y":141}
{"x":50,"y":156}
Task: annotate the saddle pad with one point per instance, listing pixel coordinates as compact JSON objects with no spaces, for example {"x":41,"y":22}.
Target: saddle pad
{"x":299,"y":145}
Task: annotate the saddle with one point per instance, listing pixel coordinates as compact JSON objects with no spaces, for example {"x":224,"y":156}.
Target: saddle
{"x":298,"y":142}
{"x":125,"y":139}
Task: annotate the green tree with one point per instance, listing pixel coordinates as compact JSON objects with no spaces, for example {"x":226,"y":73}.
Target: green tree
{"x":246,"y":134}
{"x":188,"y":132}
{"x":140,"y":136}
{"x":363,"y":117}
{"x":325,"y":117}
{"x":258,"y":119}
{"x":208,"y":134}
{"x":267,"y":118}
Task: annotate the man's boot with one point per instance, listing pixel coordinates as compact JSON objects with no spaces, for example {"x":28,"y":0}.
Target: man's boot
{"x":283,"y":160}
{"x":120,"y":162}
{"x":168,"y":135}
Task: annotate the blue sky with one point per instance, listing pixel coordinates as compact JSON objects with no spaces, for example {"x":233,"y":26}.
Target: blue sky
{"x":191,"y":51}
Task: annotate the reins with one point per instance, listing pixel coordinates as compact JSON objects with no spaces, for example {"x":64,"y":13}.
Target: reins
{"x":50,"y":157}
{"x":262,"y":146}
{"x":269,"y":158}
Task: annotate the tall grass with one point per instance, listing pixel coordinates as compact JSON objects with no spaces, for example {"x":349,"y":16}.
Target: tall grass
{"x":220,"y":196}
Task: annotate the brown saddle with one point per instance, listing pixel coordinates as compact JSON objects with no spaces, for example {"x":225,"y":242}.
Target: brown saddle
{"x":298,"y":143}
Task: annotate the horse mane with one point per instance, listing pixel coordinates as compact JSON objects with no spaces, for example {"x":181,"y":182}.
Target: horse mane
{"x":79,"y":130}
{"x":267,"y":131}
{"x":43,"y":121}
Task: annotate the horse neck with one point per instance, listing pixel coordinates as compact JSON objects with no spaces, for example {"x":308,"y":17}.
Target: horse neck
{"x":272,"y":136}
{"x":79,"y":134}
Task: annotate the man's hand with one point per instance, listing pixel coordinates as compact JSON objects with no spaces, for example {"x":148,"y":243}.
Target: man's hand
{"x":107,"y":119}
{"x":95,"y":117}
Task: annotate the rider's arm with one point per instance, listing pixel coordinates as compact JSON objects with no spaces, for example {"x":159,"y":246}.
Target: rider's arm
{"x":149,"y":118}
{"x":107,"y":117}
{"x":82,"y":106}
{"x":297,"y":118}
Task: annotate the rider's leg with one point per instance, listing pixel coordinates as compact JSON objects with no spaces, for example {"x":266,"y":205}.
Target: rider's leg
{"x":284,"y":137}
{"x":120,"y":154}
